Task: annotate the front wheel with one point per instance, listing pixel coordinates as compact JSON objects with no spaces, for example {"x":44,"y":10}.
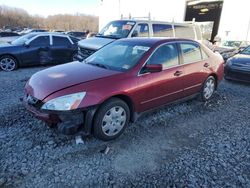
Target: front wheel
{"x":111,"y":119}
{"x":8,"y":63}
{"x":208,"y":88}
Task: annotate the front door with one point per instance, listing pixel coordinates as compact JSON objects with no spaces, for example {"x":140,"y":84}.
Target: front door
{"x":155,"y":89}
{"x":37,"y":51}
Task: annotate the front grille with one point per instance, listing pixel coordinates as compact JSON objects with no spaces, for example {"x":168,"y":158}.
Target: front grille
{"x":85,"y":52}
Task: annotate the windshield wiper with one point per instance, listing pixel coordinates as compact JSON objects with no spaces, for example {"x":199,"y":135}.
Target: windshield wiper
{"x":108,"y":36}
{"x":99,"y":65}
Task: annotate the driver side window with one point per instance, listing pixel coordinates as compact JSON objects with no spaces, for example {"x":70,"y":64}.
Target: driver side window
{"x":42,"y":41}
{"x":141,"y":30}
{"x":167,"y":55}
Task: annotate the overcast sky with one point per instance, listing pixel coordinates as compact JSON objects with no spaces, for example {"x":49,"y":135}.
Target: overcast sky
{"x":51,"y":7}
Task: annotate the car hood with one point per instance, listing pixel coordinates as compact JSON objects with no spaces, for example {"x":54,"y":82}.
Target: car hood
{"x":5,"y":45}
{"x":241,"y":58}
{"x":95,"y":43}
{"x":48,"y":81}
{"x":2,"y":45}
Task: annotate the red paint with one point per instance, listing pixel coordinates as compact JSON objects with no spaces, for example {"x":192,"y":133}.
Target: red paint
{"x":145,"y":91}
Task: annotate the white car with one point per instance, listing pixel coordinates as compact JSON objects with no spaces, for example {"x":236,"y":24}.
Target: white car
{"x":137,"y":28}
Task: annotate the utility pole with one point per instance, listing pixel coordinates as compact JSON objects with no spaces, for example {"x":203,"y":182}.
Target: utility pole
{"x":120,"y":15}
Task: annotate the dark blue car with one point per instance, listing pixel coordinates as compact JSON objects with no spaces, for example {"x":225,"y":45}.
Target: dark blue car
{"x":238,"y":67}
{"x":37,"y":49}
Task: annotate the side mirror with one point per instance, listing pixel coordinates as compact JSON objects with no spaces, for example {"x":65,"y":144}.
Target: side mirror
{"x":26,"y":44}
{"x":153,"y":68}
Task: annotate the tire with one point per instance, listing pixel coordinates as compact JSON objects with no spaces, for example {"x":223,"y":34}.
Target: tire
{"x":8,"y":63}
{"x":107,"y":124}
{"x":208,"y":88}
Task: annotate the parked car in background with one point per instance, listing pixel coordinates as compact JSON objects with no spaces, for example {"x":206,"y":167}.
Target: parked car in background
{"x":12,"y":29}
{"x":107,"y":90}
{"x":137,"y":28}
{"x":238,"y":67}
{"x":58,"y":31}
{"x":77,"y":34}
{"x":37,"y":49}
{"x":230,"y":47}
{"x":6,"y":37}
{"x":27,"y":31}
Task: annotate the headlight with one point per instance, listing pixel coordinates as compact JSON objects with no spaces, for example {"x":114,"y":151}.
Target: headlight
{"x":66,"y":102}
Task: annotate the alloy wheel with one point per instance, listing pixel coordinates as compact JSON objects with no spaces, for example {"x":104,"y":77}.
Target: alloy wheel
{"x":209,"y":88}
{"x":7,"y":64}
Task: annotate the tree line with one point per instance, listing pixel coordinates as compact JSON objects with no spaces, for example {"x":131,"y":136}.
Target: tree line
{"x":16,"y":17}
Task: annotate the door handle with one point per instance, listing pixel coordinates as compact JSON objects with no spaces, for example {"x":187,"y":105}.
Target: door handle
{"x":178,"y":73}
{"x":206,"y":65}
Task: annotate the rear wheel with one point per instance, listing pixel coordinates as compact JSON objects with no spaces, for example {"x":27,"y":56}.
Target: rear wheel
{"x":8,"y":63}
{"x":111,"y":119}
{"x":208,"y":88}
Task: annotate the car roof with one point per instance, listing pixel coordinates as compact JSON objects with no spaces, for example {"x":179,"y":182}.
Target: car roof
{"x":186,"y":23}
{"x":155,"y":40}
{"x":49,"y":33}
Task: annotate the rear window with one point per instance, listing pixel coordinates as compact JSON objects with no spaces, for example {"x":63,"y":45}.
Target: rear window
{"x":162,"y":30}
{"x":184,"y":31}
{"x":60,"y":41}
{"x":190,"y":52}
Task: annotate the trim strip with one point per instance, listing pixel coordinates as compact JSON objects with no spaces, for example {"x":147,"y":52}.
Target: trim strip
{"x":191,"y":87}
{"x":143,"y":102}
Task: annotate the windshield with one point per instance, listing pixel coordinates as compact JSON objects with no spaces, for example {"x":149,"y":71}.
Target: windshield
{"x":120,"y":56}
{"x":23,"y":39}
{"x":246,"y":51}
{"x":117,"y":29}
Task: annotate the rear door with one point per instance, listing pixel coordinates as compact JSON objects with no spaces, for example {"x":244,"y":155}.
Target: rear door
{"x":37,"y":51}
{"x":163,"y":87}
{"x":62,"y":49}
{"x":195,"y":66}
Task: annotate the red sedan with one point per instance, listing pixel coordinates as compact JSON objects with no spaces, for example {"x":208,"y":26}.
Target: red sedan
{"x":119,"y":82}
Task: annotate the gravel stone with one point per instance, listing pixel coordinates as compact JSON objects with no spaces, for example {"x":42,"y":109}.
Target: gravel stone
{"x":2,"y":181}
{"x":192,"y":144}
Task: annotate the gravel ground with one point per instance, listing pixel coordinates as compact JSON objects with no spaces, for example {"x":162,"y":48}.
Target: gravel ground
{"x":191,"y":144}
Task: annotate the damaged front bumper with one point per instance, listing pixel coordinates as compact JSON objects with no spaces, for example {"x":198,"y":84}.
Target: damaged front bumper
{"x":68,"y":122}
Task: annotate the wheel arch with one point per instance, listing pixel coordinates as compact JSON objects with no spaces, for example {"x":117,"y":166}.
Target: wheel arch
{"x":216,"y":79}
{"x":122,"y":97}
{"x":128,"y":101}
{"x":13,"y":56}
